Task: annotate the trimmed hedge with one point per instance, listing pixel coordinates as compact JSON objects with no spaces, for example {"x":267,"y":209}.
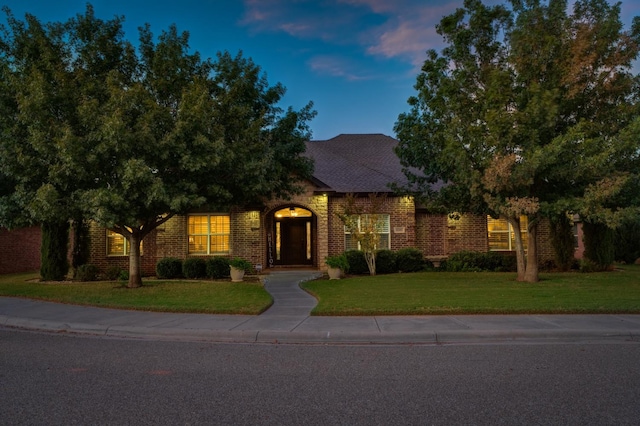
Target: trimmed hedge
{"x":169,"y":268}
{"x":473,"y":261}
{"x":194,"y":267}
{"x":410,"y":260}
{"x":357,"y":262}
{"x":386,"y":262}
{"x":217,"y":267}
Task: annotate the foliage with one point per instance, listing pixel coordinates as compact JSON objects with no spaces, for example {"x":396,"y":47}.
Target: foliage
{"x":362,"y":220}
{"x":410,"y":260}
{"x":217,"y":267}
{"x":169,"y":268}
{"x":240,"y":263}
{"x":357,"y":263}
{"x":472,"y":261}
{"x":562,"y":240}
{"x":113,"y":273}
{"x":627,"y":241}
{"x":86,"y":272}
{"x":386,"y":262}
{"x":194,"y":267}
{"x":528,"y":110}
{"x":55,"y":237}
{"x":338,"y":261}
{"x":599,"y":247}
{"x":131,"y":137}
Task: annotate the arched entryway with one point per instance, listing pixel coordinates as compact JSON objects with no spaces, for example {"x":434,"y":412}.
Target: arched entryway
{"x":291,"y":238}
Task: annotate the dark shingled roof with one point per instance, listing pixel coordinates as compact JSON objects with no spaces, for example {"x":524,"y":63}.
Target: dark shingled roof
{"x":356,"y":163}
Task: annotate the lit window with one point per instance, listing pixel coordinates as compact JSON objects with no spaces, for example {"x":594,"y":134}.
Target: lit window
{"x":365,"y":221}
{"x":209,"y":234}
{"x":118,"y":245}
{"x":501,"y":235}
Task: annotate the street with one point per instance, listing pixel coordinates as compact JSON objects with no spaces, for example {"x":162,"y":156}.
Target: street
{"x":62,"y":379}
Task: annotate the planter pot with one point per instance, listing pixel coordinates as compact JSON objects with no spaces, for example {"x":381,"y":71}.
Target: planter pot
{"x":237,"y":275}
{"x":334,"y":273}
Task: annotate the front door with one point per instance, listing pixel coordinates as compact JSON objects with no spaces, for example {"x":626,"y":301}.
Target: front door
{"x":294,"y":241}
{"x":293,"y":237}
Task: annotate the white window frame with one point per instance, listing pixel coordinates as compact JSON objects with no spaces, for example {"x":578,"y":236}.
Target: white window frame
{"x":385,"y":229}
{"x":209,"y":235}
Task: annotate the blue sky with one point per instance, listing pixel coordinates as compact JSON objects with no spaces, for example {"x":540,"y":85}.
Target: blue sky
{"x":357,"y":60}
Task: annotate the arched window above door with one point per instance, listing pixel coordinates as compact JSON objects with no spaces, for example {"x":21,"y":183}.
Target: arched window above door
{"x":292,"y":212}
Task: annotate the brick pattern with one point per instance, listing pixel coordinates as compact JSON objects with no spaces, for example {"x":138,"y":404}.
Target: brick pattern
{"x":402,"y":220}
{"x":98,"y":252}
{"x":20,"y":250}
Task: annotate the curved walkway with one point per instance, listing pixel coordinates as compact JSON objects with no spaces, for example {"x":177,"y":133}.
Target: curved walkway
{"x":288,"y":321}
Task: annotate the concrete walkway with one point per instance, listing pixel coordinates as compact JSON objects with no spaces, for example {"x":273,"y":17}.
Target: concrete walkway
{"x":288,"y":321}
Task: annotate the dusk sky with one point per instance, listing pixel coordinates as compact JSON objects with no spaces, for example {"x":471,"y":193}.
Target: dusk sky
{"x":357,"y":60}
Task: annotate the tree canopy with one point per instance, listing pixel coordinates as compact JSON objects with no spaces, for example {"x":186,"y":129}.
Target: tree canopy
{"x":528,"y":110}
{"x":131,"y":136}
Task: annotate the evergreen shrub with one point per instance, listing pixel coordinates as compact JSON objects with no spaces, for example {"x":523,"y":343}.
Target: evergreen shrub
{"x":357,"y":262}
{"x":410,"y":260}
{"x":194,"y":267}
{"x":86,"y":272}
{"x":473,"y":261}
{"x":217,"y":267}
{"x":386,"y":262}
{"x":169,"y":268}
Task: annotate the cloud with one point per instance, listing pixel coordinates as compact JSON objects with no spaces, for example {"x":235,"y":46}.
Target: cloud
{"x":335,"y":66}
{"x":403,"y":29}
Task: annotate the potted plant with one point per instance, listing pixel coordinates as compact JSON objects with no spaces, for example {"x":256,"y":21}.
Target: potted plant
{"x":337,"y":265}
{"x":238,"y":267}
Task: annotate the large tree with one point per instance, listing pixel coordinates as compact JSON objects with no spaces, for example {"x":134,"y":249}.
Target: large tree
{"x":151,"y":132}
{"x":523,"y":112}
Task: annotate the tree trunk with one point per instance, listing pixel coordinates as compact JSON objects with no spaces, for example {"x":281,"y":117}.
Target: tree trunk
{"x":370,"y":257}
{"x":531,"y":274}
{"x":520,"y":259}
{"x":135,"y":277}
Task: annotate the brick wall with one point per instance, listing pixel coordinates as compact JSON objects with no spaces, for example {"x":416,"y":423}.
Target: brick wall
{"x":98,"y":252}
{"x":20,"y":250}
{"x":402,"y":218}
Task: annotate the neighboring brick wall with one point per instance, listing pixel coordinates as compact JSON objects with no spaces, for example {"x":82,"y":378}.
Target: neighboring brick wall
{"x":20,"y":250}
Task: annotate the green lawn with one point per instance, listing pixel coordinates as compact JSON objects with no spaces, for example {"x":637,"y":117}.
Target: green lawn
{"x":479,"y":293}
{"x":396,"y":294}
{"x":213,"y":297}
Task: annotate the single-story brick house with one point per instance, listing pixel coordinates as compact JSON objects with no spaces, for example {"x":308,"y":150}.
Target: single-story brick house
{"x":303,"y":231}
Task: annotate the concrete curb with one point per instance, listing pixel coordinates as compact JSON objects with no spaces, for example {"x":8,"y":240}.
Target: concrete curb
{"x":324,"y":337}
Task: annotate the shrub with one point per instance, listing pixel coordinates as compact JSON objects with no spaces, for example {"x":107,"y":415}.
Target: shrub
{"x":598,"y":245}
{"x":217,"y":267}
{"x":169,"y":268}
{"x":410,"y":260}
{"x":112,"y":273}
{"x":86,"y":272}
{"x":357,"y":263}
{"x":339,"y":261}
{"x":627,"y":248}
{"x":240,"y":263}
{"x":473,"y":261}
{"x":53,"y":251}
{"x":124,"y":275}
{"x":194,"y":267}
{"x":386,"y":262}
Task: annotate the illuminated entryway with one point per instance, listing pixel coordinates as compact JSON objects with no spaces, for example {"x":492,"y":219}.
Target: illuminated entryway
{"x":291,"y":239}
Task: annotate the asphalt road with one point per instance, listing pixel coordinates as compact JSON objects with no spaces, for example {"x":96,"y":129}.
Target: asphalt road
{"x":50,"y":379}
